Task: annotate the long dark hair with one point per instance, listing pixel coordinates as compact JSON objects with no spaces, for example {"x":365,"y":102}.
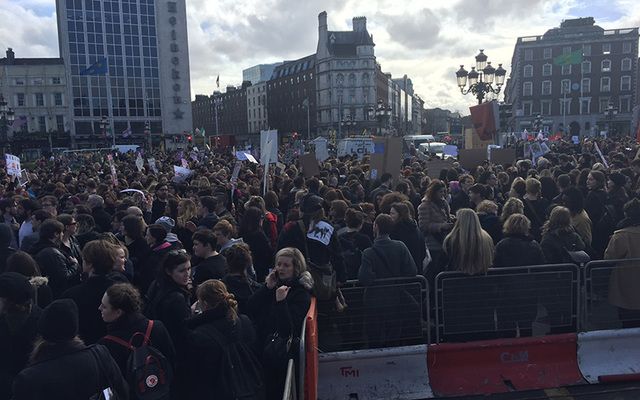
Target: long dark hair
{"x":250,"y":222}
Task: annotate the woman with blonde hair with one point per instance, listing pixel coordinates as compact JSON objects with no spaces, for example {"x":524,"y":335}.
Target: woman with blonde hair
{"x":187,"y":212}
{"x":216,"y":330}
{"x":278,"y":310}
{"x":517,"y":247}
{"x":468,"y":247}
{"x":513,"y":205}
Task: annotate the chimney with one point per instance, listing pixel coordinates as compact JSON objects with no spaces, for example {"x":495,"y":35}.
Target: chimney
{"x":322,"y":21}
{"x":360,"y":24}
{"x":323,"y":36}
{"x":11,"y":56}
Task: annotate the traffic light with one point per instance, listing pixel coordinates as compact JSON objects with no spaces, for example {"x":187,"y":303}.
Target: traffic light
{"x":189,"y":138}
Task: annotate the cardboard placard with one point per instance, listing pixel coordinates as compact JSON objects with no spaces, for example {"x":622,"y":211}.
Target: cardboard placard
{"x":503,"y":156}
{"x":435,"y":166}
{"x":470,"y":158}
{"x":309,"y":165}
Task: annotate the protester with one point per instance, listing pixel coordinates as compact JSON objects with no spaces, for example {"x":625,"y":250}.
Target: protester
{"x":24,"y":264}
{"x":559,"y":238}
{"x":468,"y":248}
{"x":213,"y":264}
{"x":518,"y":247}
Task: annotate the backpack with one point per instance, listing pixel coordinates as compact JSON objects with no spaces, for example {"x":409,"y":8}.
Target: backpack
{"x":148,"y":372}
{"x":240,"y":373}
{"x":351,"y":254}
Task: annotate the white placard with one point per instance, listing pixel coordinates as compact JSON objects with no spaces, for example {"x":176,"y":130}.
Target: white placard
{"x":152,"y":165}
{"x":139,"y":163}
{"x":269,"y":154}
{"x":13,"y":165}
{"x":181,"y":173}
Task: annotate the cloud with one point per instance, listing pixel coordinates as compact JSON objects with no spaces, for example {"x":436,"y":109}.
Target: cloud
{"x":416,"y":30}
{"x":29,"y":34}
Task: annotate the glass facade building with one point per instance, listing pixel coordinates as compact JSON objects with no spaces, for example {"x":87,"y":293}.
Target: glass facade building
{"x":139,"y":86}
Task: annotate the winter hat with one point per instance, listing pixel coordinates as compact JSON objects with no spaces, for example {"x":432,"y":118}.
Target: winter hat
{"x":618,"y":179}
{"x":15,"y":287}
{"x":167,"y":223}
{"x":6,"y":235}
{"x":59,"y":321}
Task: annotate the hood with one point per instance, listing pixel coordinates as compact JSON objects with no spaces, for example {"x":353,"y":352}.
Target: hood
{"x":306,"y":280}
{"x":38,"y":281}
{"x":632,"y":230}
{"x":6,"y":235}
{"x":172,"y":238}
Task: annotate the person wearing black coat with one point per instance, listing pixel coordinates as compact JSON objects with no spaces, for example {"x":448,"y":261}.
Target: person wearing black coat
{"x":18,"y":327}
{"x":281,"y":307}
{"x":595,"y":205}
{"x":61,"y":271}
{"x":559,"y":237}
{"x":6,"y":237}
{"x":121,"y":311}
{"x":213,"y":265}
{"x":517,"y":248}
{"x":216,"y":330}
{"x":159,"y":247}
{"x":237,"y":280}
{"x":253,"y":235}
{"x":405,"y":229}
{"x":64,"y":363}
{"x":99,"y":258}
{"x":133,"y":230}
{"x":99,"y":214}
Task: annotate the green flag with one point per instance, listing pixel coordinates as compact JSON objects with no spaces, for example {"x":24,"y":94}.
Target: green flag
{"x":567,"y":59}
{"x":202,"y":131}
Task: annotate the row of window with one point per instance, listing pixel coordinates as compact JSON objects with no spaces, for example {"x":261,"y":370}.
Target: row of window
{"x":43,"y":124}
{"x":252,"y":101}
{"x":582,"y":106}
{"x":38,"y":100}
{"x":54,"y":80}
{"x":585,"y":86}
{"x":256,"y":126}
{"x":605,"y":66}
{"x":290,"y":81}
{"x":587,"y":50}
{"x":351,"y":81}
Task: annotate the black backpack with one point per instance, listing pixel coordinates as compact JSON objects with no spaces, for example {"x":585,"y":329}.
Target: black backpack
{"x":148,"y":373}
{"x":351,"y":254}
{"x":240,"y":373}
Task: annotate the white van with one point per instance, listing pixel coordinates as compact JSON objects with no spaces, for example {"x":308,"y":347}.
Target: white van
{"x":433,"y":148}
{"x":416,"y":140}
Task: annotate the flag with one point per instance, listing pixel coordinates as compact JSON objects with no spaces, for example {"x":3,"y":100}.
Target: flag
{"x":218,"y":81}
{"x":100,"y":67}
{"x":197,"y":131}
{"x":126,"y":133}
{"x":18,"y":122}
{"x":568,"y":59}
{"x":202,"y":131}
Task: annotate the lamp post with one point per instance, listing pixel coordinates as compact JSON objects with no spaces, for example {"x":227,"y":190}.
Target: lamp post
{"x":382,"y":112}
{"x":610,"y":114}
{"x":305,"y":104}
{"x":481,"y":78}
{"x":104,"y":122}
{"x":537,"y":123}
{"x":348,"y":123}
{"x":147,"y":134}
{"x":7,"y":116}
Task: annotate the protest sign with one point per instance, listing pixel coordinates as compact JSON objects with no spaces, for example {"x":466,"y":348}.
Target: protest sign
{"x":309,"y":165}
{"x":604,"y":161}
{"x":139,"y":163}
{"x":185,"y":163}
{"x":575,"y":139}
{"x":321,"y":150}
{"x":471,"y":158}
{"x":181,"y":173}
{"x":268,"y":146}
{"x":450,"y":150}
{"x":134,"y":191}
{"x":435,"y":166}
{"x":503,"y":156}
{"x":152,"y":165}
{"x":13,"y":165}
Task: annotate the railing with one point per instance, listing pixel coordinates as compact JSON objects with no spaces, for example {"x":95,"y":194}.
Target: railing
{"x":507,"y":302}
{"x":390,"y":312}
{"x":290,"y":383}
{"x":297,"y":366}
{"x":611,"y":287}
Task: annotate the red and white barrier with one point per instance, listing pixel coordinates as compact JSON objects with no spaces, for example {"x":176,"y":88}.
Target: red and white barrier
{"x":609,"y":356}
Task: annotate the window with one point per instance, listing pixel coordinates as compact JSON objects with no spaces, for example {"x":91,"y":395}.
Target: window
{"x":20,"y":100}
{"x":37,"y":81}
{"x":625,"y":83}
{"x":527,"y":108}
{"x":547,"y":53}
{"x":625,"y":104}
{"x":586,"y":67}
{"x":42,"y":124}
{"x":565,"y":86}
{"x":625,"y":64}
{"x":566,"y":69}
{"x":55,"y":80}
{"x":547,"y":70}
{"x":606,"y":48}
{"x":19,"y":82}
{"x":527,"y":89}
{"x":528,"y":71}
{"x":528,"y":54}
{"x":565,"y":106}
{"x":586,"y":85}
{"x":546,"y":87}
{"x":566,"y":50}
{"x":545,"y":107}
{"x":585,"y":105}
{"x":626,"y":47}
{"x":586,"y":49}
{"x":603,"y":103}
{"x":605,"y":66}
{"x":60,"y":123}
{"x":57,"y":99}
{"x":39,"y":99}
{"x":605,"y":84}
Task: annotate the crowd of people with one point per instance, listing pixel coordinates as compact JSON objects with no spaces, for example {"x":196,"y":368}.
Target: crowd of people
{"x":145,"y":283}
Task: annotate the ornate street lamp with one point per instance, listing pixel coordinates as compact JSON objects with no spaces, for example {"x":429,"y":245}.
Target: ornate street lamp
{"x":7,"y":116}
{"x":382,"y":113}
{"x":348,"y":122}
{"x":610,"y":114}
{"x":537,"y":123}
{"x":481,"y":79}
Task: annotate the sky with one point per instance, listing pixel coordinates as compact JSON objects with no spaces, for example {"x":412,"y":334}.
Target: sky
{"x":426,"y":40}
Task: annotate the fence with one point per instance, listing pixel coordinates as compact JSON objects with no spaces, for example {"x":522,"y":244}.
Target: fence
{"x":507,"y":302}
{"x":611,"y":287}
{"x":391,"y":312}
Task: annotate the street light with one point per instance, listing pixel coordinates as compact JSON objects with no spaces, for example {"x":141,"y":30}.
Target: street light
{"x":537,"y":123}
{"x":382,"y":112}
{"x":481,"y":78}
{"x":610,"y":114}
{"x":348,"y":123}
{"x":7,"y":116}
{"x":147,"y":134}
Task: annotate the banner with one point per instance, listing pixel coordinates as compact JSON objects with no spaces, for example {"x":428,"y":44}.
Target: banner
{"x":181,"y":174}
{"x":321,"y":150}
{"x":309,"y":164}
{"x":152,"y":165}
{"x":485,"y":119}
{"x":13,"y":165}
{"x":139,"y":163}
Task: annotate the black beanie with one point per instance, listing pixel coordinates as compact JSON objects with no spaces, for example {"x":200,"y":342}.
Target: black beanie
{"x":59,"y":321}
{"x":15,"y":287}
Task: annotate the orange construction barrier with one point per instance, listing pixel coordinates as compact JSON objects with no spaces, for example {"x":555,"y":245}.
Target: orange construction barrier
{"x":311,"y":351}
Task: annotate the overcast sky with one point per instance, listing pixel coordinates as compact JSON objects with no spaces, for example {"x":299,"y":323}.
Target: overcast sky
{"x":426,"y":40}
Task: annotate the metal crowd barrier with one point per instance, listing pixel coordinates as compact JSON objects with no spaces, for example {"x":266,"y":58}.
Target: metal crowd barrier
{"x":290,"y":383}
{"x":390,"y":312}
{"x":507,"y":302}
{"x":611,"y":287}
{"x":296,"y":369}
